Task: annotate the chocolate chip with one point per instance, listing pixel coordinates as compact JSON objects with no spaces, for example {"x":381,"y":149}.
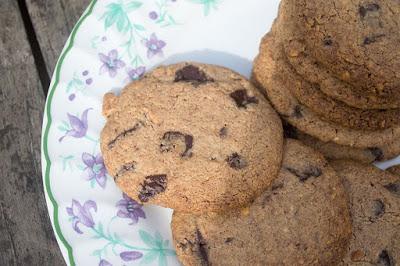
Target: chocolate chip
{"x":202,"y":244}
{"x":328,"y":41}
{"x":377,"y":153}
{"x":297,"y":113}
{"x":309,"y":171}
{"x":289,"y":131}
{"x":172,"y":139}
{"x":124,"y":169}
{"x":236,"y":161}
{"x":378,"y":208}
{"x":223,"y":132}
{"x":229,"y":240}
{"x":192,"y":73}
{"x":394,"y":188}
{"x":242,"y":99}
{"x":385,"y":259}
{"x":152,"y":186}
{"x":372,"y":39}
{"x":125,"y":133}
{"x":363,"y":10}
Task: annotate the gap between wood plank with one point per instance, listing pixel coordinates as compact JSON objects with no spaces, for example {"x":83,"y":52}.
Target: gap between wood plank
{"x":35,"y":47}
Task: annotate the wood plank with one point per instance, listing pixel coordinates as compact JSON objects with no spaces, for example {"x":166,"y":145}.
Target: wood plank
{"x":26,"y":236}
{"x":53,"y":21}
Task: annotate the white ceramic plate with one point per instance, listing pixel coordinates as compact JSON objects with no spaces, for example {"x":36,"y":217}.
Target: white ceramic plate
{"x":113,"y":43}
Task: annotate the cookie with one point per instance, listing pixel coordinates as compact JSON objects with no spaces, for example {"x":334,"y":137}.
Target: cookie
{"x":395,"y":170}
{"x":303,"y":219}
{"x":333,"y":110}
{"x":191,"y":139}
{"x":375,"y":211}
{"x":333,"y":151}
{"x":357,"y":41}
{"x":271,"y":77}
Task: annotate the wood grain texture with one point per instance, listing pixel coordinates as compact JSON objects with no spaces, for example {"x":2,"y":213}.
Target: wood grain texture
{"x":53,"y":21}
{"x":26,"y":236}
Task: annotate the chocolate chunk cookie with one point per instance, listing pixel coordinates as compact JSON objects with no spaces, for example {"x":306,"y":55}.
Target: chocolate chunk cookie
{"x":375,"y":210}
{"x":276,"y":80}
{"x":395,"y":170}
{"x":357,"y":41}
{"x":333,"y":110}
{"x":191,"y":137}
{"x":303,"y":219}
{"x":333,"y":151}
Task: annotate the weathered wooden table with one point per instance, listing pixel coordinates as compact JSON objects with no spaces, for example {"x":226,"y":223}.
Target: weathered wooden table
{"x":32,"y":34}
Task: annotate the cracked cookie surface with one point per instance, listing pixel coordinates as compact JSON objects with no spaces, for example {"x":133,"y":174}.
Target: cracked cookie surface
{"x":303,"y":218}
{"x":191,"y":137}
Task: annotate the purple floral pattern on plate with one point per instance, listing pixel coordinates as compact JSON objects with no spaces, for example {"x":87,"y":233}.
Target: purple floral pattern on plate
{"x":131,"y":209}
{"x":80,"y":214}
{"x":111,"y":63}
{"x":78,"y":126}
{"x":95,"y":169}
{"x":103,"y":262}
{"x":122,"y":51}
{"x":154,"y":46}
{"x":135,"y":73}
{"x":130,"y":255}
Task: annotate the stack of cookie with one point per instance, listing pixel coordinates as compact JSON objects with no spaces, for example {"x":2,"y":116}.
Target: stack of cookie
{"x":202,"y":140}
{"x":332,"y":71}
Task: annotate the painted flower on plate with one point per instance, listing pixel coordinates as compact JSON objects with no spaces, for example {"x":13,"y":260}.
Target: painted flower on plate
{"x":95,"y":169}
{"x":103,"y":262}
{"x":130,"y":255}
{"x":80,"y":214}
{"x":135,"y":73}
{"x":130,"y":209}
{"x":77,"y":126}
{"x":111,"y":63}
{"x":154,"y":46}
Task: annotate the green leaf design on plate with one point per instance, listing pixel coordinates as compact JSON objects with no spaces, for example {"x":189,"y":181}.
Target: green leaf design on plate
{"x":147,"y":239}
{"x":149,"y":257}
{"x":207,"y":5}
{"x":133,"y":5}
{"x":139,"y":27}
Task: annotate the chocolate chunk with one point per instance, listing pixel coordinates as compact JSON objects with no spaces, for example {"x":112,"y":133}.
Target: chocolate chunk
{"x":289,"y":131}
{"x":192,"y":73}
{"x":124,"y":169}
{"x":202,"y":244}
{"x":378,"y":208}
{"x":236,"y":161}
{"x":297,"y":112}
{"x":394,"y":188}
{"x":242,"y":99}
{"x":223,"y":132}
{"x":125,"y":133}
{"x":172,"y":139}
{"x":309,"y":171}
{"x":328,"y":41}
{"x":152,"y":186}
{"x":363,"y":10}
{"x":377,"y":153}
{"x":372,"y":39}
{"x":229,"y":240}
{"x":385,"y":259}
